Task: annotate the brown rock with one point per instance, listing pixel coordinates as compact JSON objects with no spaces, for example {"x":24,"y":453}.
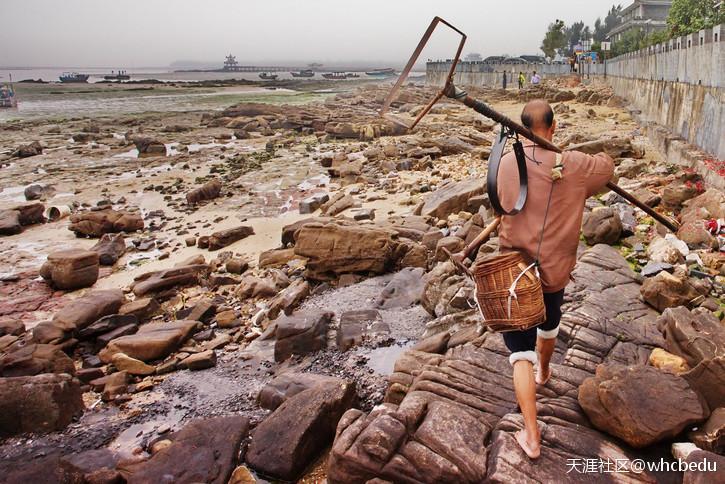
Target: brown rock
{"x":276,"y":257}
{"x":641,"y":405}
{"x":452,"y":197}
{"x":200,"y":361}
{"x":91,"y":466}
{"x":452,"y":243}
{"x":78,"y":314}
{"x":10,"y":222}
{"x":132,"y":366}
{"x":338,"y":249}
{"x":614,"y":147}
{"x":71,"y":269}
{"x":31,"y":149}
{"x":153,"y":341}
{"x":708,"y":379}
{"x":666,"y":290}
{"x":34,"y":359}
{"x":152,"y":282}
{"x":301,"y":334}
{"x":227,"y":237}
{"x":237,"y":266}
{"x":711,"y":435}
{"x":288,"y":300}
{"x":663,"y":360}
{"x":285,"y":443}
{"x":694,"y":335}
{"x":208,"y":191}
{"x":203,"y":451}
{"x":39,"y":404}
{"x":143,"y":308}
{"x":252,"y":286}
{"x":602,"y":226}
{"x":149,"y":146}
{"x":286,"y":385}
{"x":95,"y":224}
{"x":115,"y":384}
{"x":110,"y":248}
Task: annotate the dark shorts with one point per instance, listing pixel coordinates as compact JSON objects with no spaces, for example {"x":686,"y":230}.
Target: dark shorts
{"x":517,"y":341}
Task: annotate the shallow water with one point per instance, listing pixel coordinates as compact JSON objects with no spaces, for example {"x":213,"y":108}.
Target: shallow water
{"x":96,"y":102}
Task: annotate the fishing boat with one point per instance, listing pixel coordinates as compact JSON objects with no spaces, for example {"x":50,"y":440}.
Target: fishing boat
{"x":267,"y":76}
{"x":387,"y":72}
{"x":303,"y":73}
{"x":73,"y":77}
{"x":335,"y":75}
{"x":119,"y":76}
{"x":7,"y":96}
{"x":352,"y":75}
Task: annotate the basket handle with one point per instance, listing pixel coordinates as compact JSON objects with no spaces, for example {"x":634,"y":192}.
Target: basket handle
{"x":512,"y":289}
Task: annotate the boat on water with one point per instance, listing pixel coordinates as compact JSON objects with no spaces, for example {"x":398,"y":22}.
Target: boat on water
{"x":73,"y":77}
{"x":387,"y":72}
{"x":7,"y":96}
{"x":303,"y":73}
{"x":118,"y":76}
{"x":352,"y":75}
{"x":267,"y":76}
{"x":335,"y":75}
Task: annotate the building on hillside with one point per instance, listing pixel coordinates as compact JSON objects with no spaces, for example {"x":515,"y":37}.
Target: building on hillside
{"x":645,"y":15}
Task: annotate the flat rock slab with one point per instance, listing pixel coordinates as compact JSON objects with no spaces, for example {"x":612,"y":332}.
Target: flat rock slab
{"x":287,"y":441}
{"x":153,"y":341}
{"x":78,"y":314}
{"x":39,"y":404}
{"x":203,"y":451}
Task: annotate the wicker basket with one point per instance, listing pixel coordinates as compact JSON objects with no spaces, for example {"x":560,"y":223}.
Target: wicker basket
{"x":509,"y":293}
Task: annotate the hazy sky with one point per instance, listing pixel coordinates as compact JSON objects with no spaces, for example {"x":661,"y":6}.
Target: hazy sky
{"x":138,"y":33}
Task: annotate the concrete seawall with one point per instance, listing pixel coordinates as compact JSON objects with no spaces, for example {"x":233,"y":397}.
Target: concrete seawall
{"x":676,"y":89}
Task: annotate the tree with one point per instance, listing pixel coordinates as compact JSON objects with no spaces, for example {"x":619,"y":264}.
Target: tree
{"x":601,"y":29}
{"x":631,"y":40}
{"x":573,"y":35}
{"x":688,"y":16}
{"x":555,"y":39}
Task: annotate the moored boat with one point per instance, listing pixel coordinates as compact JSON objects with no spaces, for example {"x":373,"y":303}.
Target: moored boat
{"x":352,"y":75}
{"x":267,"y":76}
{"x":381,"y":72}
{"x":119,"y":76}
{"x":335,"y":75}
{"x":303,"y":73}
{"x":73,"y":77}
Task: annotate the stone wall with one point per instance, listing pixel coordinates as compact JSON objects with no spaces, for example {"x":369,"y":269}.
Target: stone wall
{"x":678,"y":85}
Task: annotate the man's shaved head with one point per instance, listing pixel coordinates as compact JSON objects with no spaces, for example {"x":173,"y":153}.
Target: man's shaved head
{"x":537,"y":115}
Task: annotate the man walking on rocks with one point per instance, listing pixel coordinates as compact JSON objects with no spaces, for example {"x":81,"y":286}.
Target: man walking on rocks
{"x":558,"y":188}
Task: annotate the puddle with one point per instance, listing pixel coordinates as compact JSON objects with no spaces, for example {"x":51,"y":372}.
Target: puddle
{"x":13,"y":194}
{"x":127,"y":154}
{"x":140,"y":258}
{"x":382,"y":360}
{"x":315,"y":181}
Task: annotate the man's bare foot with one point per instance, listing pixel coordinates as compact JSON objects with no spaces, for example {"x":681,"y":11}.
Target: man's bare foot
{"x":542,"y":379}
{"x":532,"y":449}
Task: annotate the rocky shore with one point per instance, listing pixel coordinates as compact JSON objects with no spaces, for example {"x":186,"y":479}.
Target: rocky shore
{"x":260,"y":292}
